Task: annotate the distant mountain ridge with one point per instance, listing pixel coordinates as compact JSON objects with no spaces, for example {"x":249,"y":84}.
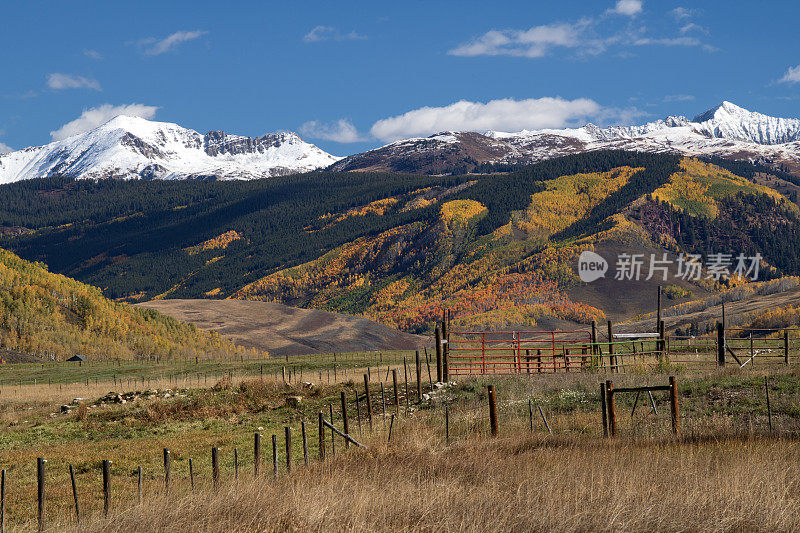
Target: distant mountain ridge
{"x":726,"y":131}
{"x":131,"y":147}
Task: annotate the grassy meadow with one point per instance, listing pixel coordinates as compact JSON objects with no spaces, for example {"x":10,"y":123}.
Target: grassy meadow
{"x":734,"y":467}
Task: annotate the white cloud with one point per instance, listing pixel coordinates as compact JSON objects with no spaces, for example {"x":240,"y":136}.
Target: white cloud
{"x":154,"y":47}
{"x":92,"y":54}
{"x":60,"y":81}
{"x":341,"y":131}
{"x":587,"y":36}
{"x":330,"y":33}
{"x":534,"y":42}
{"x":627,"y":7}
{"x":678,"y":98}
{"x":95,"y":116}
{"x":504,"y":115}
{"x":4,"y":149}
{"x":693,"y":27}
{"x":669,"y":41}
{"x":680,"y":13}
{"x":792,"y":75}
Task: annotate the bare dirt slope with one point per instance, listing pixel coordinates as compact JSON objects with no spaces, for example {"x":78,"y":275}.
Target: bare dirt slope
{"x":284,"y":330}
{"x":735,"y":312}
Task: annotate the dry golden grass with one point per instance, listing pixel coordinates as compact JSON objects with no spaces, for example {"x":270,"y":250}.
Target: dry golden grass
{"x":518,"y":482}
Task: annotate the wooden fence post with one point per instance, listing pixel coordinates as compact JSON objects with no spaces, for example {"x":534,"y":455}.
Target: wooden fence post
{"x":603,"y":408}
{"x":396,"y":397}
{"x":74,"y":494}
{"x":305,"y":442}
{"x":612,"y":413}
{"x":274,"y":456}
{"x":322,"y":436}
{"x":191,"y":473}
{"x":492,"y":411}
{"x":438,"y":339}
{"x":662,"y":336}
{"x":594,"y":337}
{"x":786,"y":346}
{"x":612,"y":360}
{"x":40,"y":462}
{"x":673,"y":401}
{"x":167,"y":470}
{"x":256,"y":453}
{"x":720,"y":345}
{"x":447,"y":423}
{"x":446,"y":352}
{"x":139,"y":484}
{"x":345,"y":419}
{"x":106,"y":487}
{"x":215,"y":466}
{"x":418,"y":367}
{"x":369,"y":401}
{"x":236,"y":464}
{"x":288,"y":434}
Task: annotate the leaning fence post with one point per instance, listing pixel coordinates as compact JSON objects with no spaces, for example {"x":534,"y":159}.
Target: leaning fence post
{"x":167,"y":470}
{"x":369,"y":401}
{"x":612,"y":413}
{"x":305,"y":442}
{"x":74,"y":493}
{"x":215,"y":466}
{"x":673,"y":400}
{"x":106,"y":487}
{"x":492,"y":411}
{"x":40,"y":462}
{"x":256,"y":453}
{"x":191,"y":473}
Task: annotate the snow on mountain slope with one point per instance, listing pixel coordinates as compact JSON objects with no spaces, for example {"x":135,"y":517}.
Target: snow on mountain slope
{"x":132,"y":147}
{"x":726,"y":131}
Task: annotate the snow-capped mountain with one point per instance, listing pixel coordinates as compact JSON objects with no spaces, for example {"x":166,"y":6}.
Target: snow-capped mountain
{"x":726,"y":130}
{"x":132,"y":147}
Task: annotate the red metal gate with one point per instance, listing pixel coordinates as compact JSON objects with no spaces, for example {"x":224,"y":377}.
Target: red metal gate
{"x":518,"y":352}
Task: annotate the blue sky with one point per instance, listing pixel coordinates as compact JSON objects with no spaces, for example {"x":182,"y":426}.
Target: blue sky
{"x":351,"y":76}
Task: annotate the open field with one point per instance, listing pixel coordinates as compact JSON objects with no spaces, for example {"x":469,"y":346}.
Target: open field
{"x":283,"y":330}
{"x":727,"y":471}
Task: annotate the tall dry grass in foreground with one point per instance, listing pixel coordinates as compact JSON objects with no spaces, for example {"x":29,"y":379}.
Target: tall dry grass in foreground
{"x":519,"y":482}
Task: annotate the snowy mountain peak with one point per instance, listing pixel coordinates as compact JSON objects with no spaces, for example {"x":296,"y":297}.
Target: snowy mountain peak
{"x":133,"y":147}
{"x":729,"y":121}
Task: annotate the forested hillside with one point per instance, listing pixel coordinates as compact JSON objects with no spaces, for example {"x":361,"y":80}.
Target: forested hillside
{"x":54,"y":317}
{"x":497,"y":248}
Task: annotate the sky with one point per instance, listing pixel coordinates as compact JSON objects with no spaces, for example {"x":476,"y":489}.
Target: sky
{"x":349,"y":76}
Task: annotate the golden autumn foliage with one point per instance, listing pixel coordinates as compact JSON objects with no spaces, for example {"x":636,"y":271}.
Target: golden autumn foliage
{"x":55,"y":317}
{"x":217,"y":243}
{"x":567,"y":199}
{"x":699,"y":184}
